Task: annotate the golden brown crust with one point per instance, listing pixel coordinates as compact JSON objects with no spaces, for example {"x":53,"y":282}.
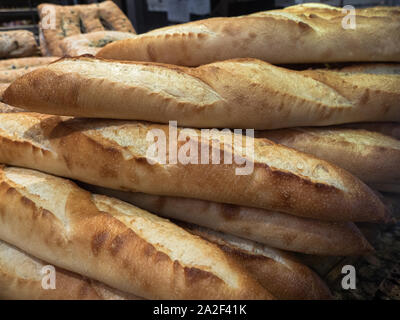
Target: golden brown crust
{"x":274,"y":229}
{"x":375,"y":94}
{"x":241,"y":93}
{"x":19,"y":43}
{"x":292,"y":35}
{"x":70,"y":19}
{"x":21,"y":279}
{"x":371,"y":156}
{"x":113,"y":154}
{"x":277,"y":271}
{"x":114,"y":242}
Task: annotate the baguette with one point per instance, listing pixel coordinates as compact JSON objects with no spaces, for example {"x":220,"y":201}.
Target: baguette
{"x":21,"y":279}
{"x":307,"y":34}
{"x":275,"y":229}
{"x":243,"y":93}
{"x":91,"y":43}
{"x":276,"y":270}
{"x":19,"y":43}
{"x":115,"y":243}
{"x":115,"y":154}
{"x":371,"y":156}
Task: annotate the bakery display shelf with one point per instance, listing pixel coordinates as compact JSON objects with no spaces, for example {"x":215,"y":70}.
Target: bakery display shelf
{"x":18,"y":15}
{"x":18,"y":12}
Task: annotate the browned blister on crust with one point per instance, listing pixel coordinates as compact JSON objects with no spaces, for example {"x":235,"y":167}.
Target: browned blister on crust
{"x":114,"y":154}
{"x":240,"y":93}
{"x":114,"y":242}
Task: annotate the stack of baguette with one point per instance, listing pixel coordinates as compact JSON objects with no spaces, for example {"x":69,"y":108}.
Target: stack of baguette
{"x":326,"y":140}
